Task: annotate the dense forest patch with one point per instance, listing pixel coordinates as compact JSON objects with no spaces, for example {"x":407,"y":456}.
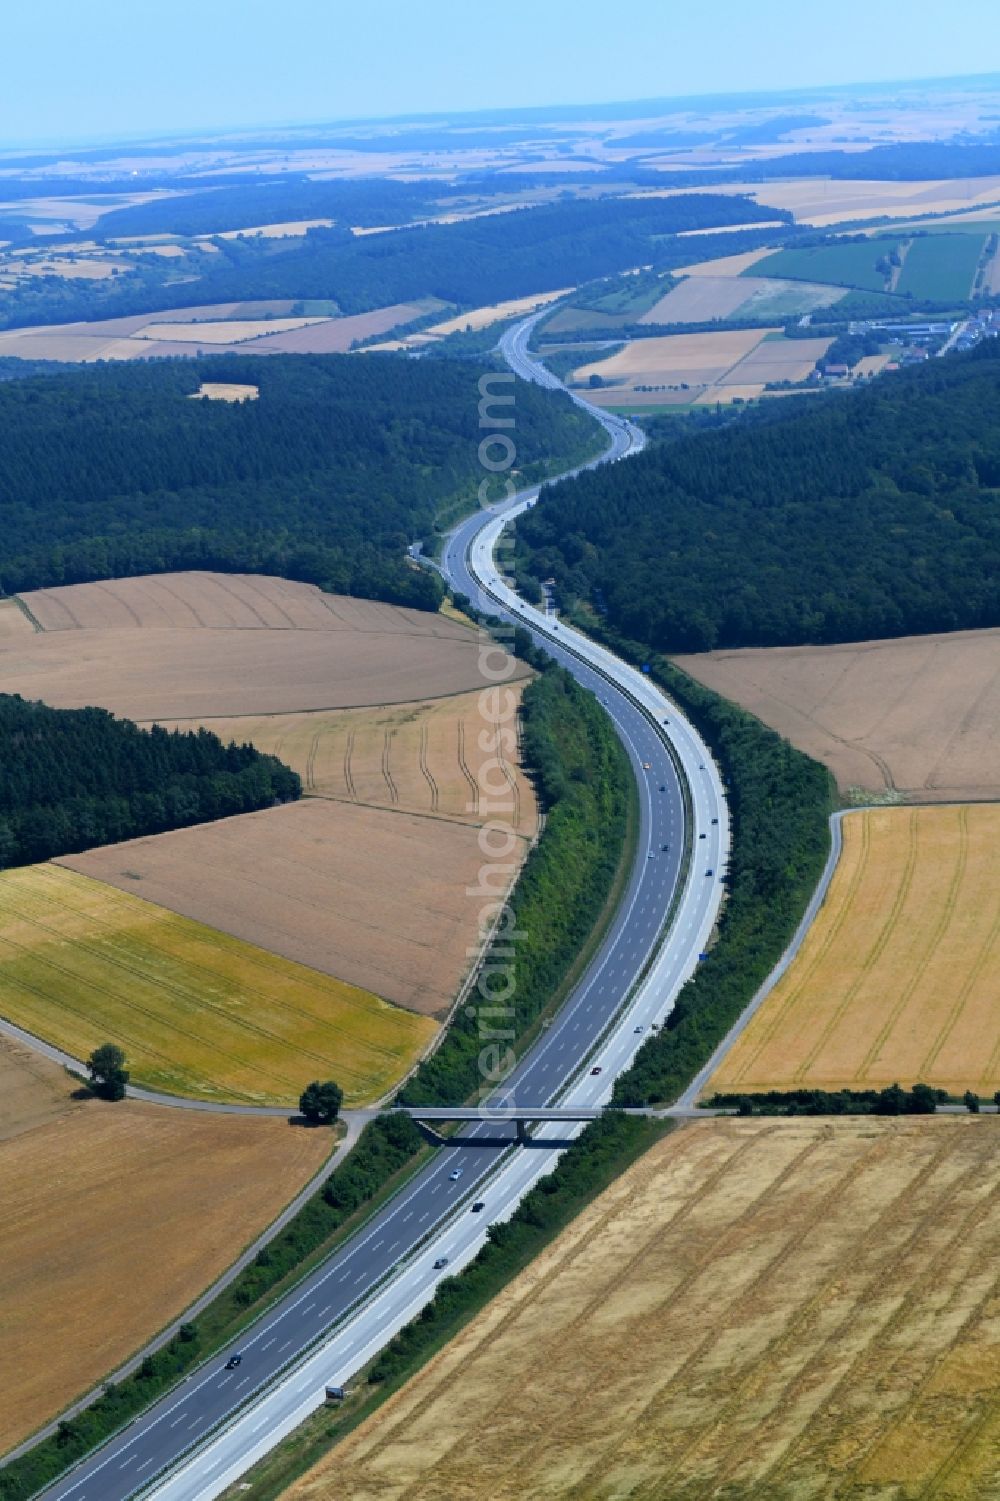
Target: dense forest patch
{"x":72,"y":778}
{"x":327,"y":477}
{"x":476,"y":261}
{"x":870,"y":514}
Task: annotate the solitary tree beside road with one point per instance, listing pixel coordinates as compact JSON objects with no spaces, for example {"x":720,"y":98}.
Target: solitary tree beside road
{"x":320,"y":1103}
{"x":108,"y":1073}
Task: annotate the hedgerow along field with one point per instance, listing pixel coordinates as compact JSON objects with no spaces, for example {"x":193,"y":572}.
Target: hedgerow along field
{"x":91,"y":1193}
{"x":756,"y":1311}
{"x":898,"y":977}
{"x":197,"y":1012}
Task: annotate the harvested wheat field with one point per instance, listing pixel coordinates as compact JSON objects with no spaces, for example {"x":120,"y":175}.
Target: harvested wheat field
{"x":336,"y":335}
{"x":197,"y":1011}
{"x":919,"y":715}
{"x":374,"y":897}
{"x":698,"y":359}
{"x":424,"y":757}
{"x":260,"y":326}
{"x":233,"y":331}
{"x":216,"y":390}
{"x":696,"y":299}
{"x":777,"y":359}
{"x":33,"y":1091}
{"x":187,"y":646}
{"x":899,"y":974}
{"x":115,"y":1218}
{"x":761,"y":1311}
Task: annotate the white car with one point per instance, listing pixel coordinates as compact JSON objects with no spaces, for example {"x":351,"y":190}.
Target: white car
{"x":455,"y":1175}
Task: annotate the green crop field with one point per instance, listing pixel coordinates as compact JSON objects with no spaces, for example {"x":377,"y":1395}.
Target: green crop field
{"x":941,"y":267}
{"x":848,"y":263}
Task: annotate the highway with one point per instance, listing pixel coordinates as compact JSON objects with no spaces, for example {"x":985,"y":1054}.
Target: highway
{"x":217,"y":1423}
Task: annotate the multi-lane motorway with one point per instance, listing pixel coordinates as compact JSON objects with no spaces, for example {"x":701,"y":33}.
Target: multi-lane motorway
{"x":205,"y":1434}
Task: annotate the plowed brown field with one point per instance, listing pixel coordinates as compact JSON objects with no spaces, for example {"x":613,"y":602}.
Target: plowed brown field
{"x":899,"y":975}
{"x":115,"y":1218}
{"x":756,"y":1311}
{"x":920,"y":715}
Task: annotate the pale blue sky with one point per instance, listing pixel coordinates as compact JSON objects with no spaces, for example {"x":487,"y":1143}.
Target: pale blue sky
{"x":83,"y":69}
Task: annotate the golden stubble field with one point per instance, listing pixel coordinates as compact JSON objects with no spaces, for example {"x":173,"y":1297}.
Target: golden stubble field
{"x":189,"y":646}
{"x":697,"y":359}
{"x":198,"y":1012}
{"x":448,"y":758}
{"x":115,"y":1218}
{"x":764,"y":1311}
{"x":258,"y":327}
{"x":899,"y":975}
{"x":919,"y":715}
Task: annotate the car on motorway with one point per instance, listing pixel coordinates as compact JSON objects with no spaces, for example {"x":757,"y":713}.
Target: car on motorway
{"x":441,"y":1261}
{"x":665,"y":846}
{"x":647,"y":765}
{"x":233,"y":1362}
{"x":637,"y":1030}
{"x":650,"y":855}
{"x":596,"y":1069}
{"x":715,"y":820}
{"x":702,"y":836}
{"x":662,"y":787}
{"x":478,"y":1206}
{"x":456,"y":1174}
{"x":710,"y":872}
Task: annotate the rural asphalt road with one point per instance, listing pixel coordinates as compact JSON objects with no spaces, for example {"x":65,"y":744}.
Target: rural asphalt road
{"x":350,"y":1305}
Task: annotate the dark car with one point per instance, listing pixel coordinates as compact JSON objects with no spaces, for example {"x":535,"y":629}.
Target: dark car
{"x":441,"y":1261}
{"x":233,"y":1362}
{"x":478,"y":1206}
{"x":715,"y":820}
{"x":662,"y":787}
{"x":665,"y":846}
{"x":710,"y":872}
{"x":702,"y":836}
{"x":596,"y":1069}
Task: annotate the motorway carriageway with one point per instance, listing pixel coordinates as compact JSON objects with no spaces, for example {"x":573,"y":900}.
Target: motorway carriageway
{"x":212,"y":1427}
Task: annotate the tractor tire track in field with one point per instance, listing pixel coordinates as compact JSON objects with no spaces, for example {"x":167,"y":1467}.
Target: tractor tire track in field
{"x":893,"y":1216}
{"x":982,"y":959}
{"x":874,"y":952}
{"x":310,"y":778}
{"x":386,"y":770}
{"x":558,"y":1268}
{"x":681,"y":1381}
{"x":474,"y":803}
{"x":935,"y":934}
{"x":348,"y":777}
{"x":425,"y":769}
{"x":777,"y":1021}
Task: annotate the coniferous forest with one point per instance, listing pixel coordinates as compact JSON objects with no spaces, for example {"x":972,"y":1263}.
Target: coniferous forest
{"x":866,"y":514}
{"x":327,"y":477}
{"x":74,"y":778}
